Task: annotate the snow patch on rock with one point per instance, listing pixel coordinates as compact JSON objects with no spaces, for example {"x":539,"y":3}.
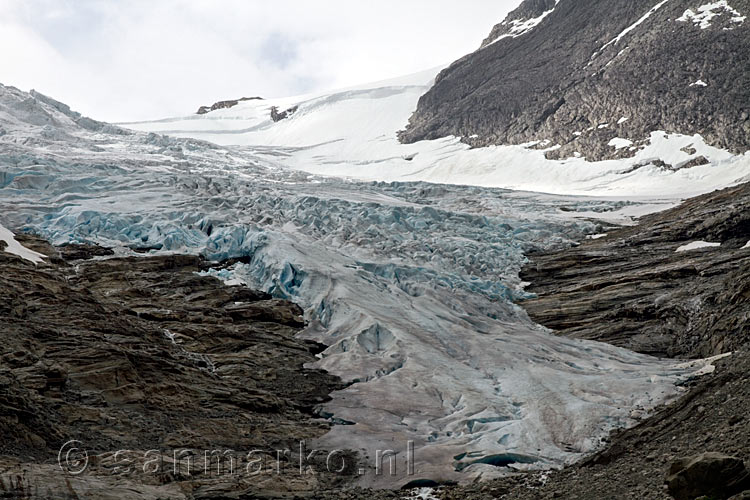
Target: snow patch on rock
{"x":619,"y":143}
{"x":520,"y":27}
{"x":14,"y":247}
{"x":695,"y":245}
{"x":707,"y":12}
{"x":630,"y":28}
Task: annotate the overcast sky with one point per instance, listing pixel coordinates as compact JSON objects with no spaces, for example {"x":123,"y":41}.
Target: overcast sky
{"x":142,"y":59}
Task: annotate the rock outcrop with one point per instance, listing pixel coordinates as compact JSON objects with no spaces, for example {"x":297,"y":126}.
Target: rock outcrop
{"x":632,"y":288}
{"x":141,"y":362}
{"x":277,"y":115}
{"x":225,"y":104}
{"x":712,"y":475}
{"x":581,"y":72}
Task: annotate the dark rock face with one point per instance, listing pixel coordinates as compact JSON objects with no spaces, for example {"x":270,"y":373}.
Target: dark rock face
{"x":587,"y":65}
{"x":277,"y":115}
{"x":632,"y":289}
{"x":713,"y":475}
{"x":144,"y":354}
{"x":225,"y":104}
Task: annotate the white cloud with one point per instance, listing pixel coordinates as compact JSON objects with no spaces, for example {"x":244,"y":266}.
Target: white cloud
{"x":143,"y":59}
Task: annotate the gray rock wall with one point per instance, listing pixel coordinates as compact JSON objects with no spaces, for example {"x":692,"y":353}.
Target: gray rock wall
{"x":571,"y":73}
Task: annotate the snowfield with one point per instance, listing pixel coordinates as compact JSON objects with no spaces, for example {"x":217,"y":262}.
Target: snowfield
{"x":352,"y":133}
{"x":410,"y":283}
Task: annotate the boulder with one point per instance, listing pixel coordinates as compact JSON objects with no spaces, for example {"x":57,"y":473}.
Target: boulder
{"x":709,"y":474}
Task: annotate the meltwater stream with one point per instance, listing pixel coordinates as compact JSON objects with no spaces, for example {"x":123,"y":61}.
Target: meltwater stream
{"x":412,"y":287}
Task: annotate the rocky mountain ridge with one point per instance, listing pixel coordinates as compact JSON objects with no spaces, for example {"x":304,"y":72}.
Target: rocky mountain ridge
{"x":644,"y":288}
{"x":582,"y":73}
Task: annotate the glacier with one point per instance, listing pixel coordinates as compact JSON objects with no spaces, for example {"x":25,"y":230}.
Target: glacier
{"x":411,"y":284}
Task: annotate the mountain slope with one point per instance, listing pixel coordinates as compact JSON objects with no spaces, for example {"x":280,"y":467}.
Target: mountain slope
{"x":580,"y":73}
{"x":353,"y":133}
{"x":140,"y":354}
{"x":653,"y":293}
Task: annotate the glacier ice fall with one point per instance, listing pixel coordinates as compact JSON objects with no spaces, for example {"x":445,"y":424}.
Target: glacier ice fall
{"x":411,"y":285}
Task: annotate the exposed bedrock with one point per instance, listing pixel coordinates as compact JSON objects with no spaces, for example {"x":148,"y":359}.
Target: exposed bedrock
{"x":143,"y":354}
{"x":229,"y":103}
{"x":582,"y":72}
{"x":633,"y":288}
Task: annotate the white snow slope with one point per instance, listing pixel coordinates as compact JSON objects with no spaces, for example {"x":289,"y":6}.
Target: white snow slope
{"x":14,"y":247}
{"x":352,"y":133}
{"x":410,"y":284}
